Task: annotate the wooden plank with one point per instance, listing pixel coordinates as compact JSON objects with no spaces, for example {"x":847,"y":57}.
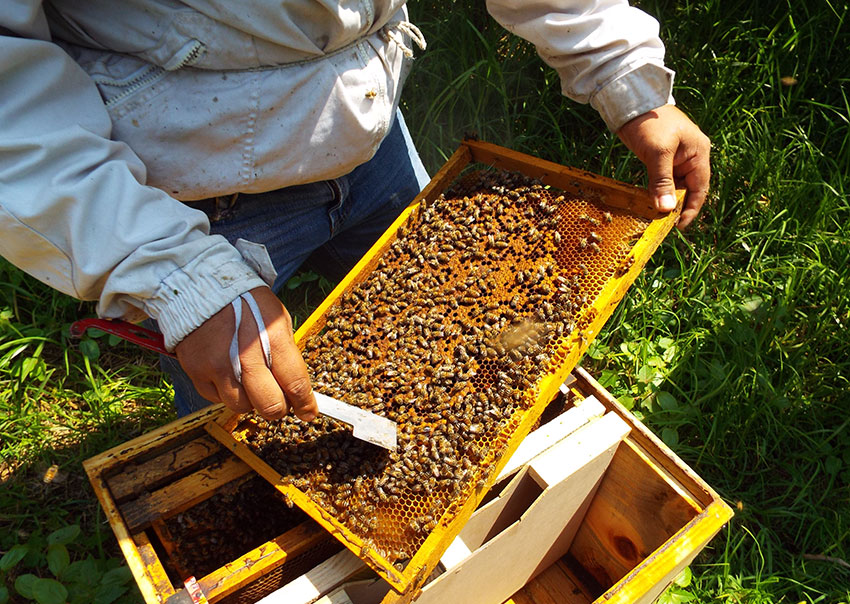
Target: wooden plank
{"x":578,"y":182}
{"x":153,"y":591}
{"x":320,"y":580}
{"x":181,"y":494}
{"x":262,"y":560}
{"x":660,"y":453}
{"x":552,"y":432}
{"x":135,"y":479}
{"x":646,"y":582}
{"x":553,"y":586}
{"x":568,"y":473}
{"x":633,"y":513}
{"x":156,"y":576}
{"x":152,"y":442}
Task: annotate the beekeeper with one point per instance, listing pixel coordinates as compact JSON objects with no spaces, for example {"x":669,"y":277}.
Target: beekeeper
{"x":140,"y":140}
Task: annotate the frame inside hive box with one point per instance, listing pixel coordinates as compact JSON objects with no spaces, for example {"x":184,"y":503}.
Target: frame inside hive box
{"x":549,"y":254}
{"x":549,"y":532}
{"x":182,"y":506}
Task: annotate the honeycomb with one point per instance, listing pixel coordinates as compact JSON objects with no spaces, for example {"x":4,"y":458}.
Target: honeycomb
{"x":229,"y":524}
{"x":483,"y":292}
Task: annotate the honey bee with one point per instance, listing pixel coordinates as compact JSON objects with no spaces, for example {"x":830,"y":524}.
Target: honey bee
{"x":582,"y":243}
{"x":608,"y":217}
{"x":595,"y":247}
{"x":595,"y":236}
{"x":50,"y":474}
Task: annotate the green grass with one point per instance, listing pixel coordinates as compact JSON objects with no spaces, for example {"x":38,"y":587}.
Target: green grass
{"x":732,"y":344}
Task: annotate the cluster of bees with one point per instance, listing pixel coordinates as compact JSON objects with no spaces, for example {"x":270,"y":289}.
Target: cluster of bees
{"x":483,"y":292}
{"x":234,"y":521}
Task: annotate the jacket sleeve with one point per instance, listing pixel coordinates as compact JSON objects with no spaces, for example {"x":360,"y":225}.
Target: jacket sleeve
{"x":606,"y":52}
{"x":74,"y":209}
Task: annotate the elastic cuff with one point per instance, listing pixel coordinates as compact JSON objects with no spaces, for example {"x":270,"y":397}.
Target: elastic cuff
{"x":643,"y":89}
{"x":184,"y":301}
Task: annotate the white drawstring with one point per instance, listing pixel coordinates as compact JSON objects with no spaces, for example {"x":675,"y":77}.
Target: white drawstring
{"x":408,"y":28}
{"x":261,"y":327}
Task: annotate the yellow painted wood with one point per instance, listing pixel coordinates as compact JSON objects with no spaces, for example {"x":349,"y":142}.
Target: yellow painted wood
{"x":141,"y":558}
{"x":155,"y":574}
{"x":616,"y":535}
{"x":153,"y":590}
{"x":153,"y":442}
{"x":379,"y":564}
{"x":592,"y":187}
{"x":261,"y":560}
{"x":578,"y":182}
{"x":646,"y":582}
{"x":654,"y":447}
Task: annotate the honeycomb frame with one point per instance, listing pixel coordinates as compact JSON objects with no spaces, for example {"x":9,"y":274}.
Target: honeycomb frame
{"x":599,"y":198}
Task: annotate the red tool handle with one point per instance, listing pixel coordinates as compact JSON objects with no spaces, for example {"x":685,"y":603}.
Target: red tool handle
{"x":145,"y":338}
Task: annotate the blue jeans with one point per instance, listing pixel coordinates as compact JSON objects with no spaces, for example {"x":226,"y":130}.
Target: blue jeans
{"x":332,"y":223}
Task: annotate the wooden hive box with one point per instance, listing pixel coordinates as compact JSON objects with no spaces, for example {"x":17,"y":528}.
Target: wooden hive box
{"x":174,"y":497}
{"x":645,"y":520}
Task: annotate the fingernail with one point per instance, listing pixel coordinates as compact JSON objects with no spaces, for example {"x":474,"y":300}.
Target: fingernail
{"x":666,"y":203}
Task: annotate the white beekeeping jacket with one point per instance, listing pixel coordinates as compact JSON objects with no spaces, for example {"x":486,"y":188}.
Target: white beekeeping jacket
{"x":112,"y":111}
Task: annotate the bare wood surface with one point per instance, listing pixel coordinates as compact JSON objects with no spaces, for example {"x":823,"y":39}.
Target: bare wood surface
{"x":181,"y":494}
{"x":551,"y":432}
{"x":633,"y":513}
{"x":135,"y":479}
{"x":660,"y":453}
{"x":578,"y":182}
{"x":552,"y":586}
{"x":153,"y":442}
{"x":645,"y":583}
{"x":320,"y":580}
{"x":562,"y":478}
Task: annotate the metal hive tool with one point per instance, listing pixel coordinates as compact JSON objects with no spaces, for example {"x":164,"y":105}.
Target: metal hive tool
{"x":459,"y":324}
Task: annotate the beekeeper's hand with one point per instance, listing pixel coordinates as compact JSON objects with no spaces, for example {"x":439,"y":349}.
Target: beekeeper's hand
{"x":205,"y":357}
{"x":676,"y":153}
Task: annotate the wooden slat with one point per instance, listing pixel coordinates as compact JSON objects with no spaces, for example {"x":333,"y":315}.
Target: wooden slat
{"x":655,"y":448}
{"x":320,"y":580}
{"x":153,"y":442}
{"x":153,"y":569}
{"x":152,"y":591}
{"x":646,"y":582}
{"x":552,"y":586}
{"x":262,"y":560}
{"x":135,"y":479}
{"x":181,"y":494}
{"x":578,"y":182}
{"x":167,"y":540}
{"x":533,"y":523}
